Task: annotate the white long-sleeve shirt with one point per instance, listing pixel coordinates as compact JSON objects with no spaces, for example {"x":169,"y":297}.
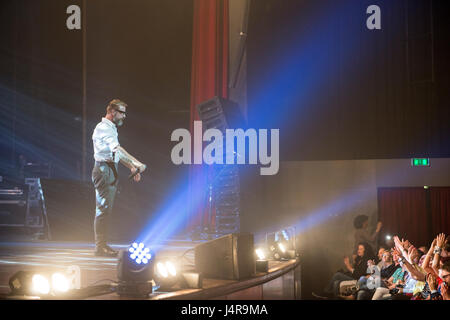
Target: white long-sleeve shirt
{"x":105,"y":141}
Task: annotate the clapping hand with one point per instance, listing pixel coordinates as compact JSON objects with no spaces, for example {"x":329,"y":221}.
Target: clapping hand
{"x":346,"y":261}
{"x":431,"y":280}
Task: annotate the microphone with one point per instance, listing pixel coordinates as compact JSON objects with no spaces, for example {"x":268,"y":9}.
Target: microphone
{"x":131,"y":176}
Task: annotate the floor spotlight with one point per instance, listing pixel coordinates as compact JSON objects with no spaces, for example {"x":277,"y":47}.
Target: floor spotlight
{"x":135,"y":271}
{"x":262,"y":264}
{"x":166,"y":274}
{"x":60,"y":283}
{"x":42,"y":284}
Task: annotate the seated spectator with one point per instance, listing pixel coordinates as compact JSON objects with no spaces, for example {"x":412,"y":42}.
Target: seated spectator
{"x":385,"y":270}
{"x":393,"y":283}
{"x":354,"y":271}
{"x":381,"y":251}
{"x":444,"y":276}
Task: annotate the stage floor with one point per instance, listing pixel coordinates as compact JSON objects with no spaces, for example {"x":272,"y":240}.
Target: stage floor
{"x":58,"y":256}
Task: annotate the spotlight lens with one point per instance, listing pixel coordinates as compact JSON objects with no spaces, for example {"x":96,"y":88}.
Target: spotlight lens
{"x":388,"y":237}
{"x":146,"y":250}
{"x":141,"y":245}
{"x":40,"y":284}
{"x":135,"y":245}
{"x":145,"y":260}
{"x":148,"y":256}
{"x":131,"y":249}
{"x":162,"y":269}
{"x":60,"y":282}
{"x":171,"y":268}
{"x":138,"y":261}
{"x":260,"y":254}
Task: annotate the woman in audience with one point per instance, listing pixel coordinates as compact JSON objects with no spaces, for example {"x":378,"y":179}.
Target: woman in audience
{"x":354,"y":271}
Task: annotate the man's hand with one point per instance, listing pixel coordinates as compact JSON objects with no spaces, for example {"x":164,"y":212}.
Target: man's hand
{"x":137,"y":177}
{"x":398,"y":244}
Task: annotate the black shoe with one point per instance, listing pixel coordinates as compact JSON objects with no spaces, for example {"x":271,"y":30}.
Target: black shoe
{"x":105,"y":251}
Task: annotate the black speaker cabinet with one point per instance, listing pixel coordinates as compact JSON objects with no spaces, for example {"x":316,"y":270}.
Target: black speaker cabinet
{"x":230,"y":257}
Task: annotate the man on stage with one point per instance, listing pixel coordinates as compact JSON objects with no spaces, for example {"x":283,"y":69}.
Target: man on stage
{"x":107,"y":154}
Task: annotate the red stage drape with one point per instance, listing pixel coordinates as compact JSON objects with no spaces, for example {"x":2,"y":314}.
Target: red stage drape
{"x":440,"y":210}
{"x":209,"y":78}
{"x":403,"y":212}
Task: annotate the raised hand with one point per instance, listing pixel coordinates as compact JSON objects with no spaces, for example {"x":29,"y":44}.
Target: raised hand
{"x":398,"y":244}
{"x":440,"y":240}
{"x":431,"y":281}
{"x":379,"y":225}
{"x":433,"y":244}
{"x":346,"y":261}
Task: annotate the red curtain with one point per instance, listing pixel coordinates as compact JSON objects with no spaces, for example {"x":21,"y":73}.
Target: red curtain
{"x":403,"y":212}
{"x":440,"y":210}
{"x":209,"y":78}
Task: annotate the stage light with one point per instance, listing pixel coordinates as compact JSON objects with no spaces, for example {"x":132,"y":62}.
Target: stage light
{"x":162,"y":270}
{"x":388,"y":237}
{"x":262,"y":265}
{"x":135,"y":271}
{"x":60,"y":283}
{"x":45,"y":284}
{"x":40,"y":284}
{"x":166,"y":274}
{"x":260,"y":254}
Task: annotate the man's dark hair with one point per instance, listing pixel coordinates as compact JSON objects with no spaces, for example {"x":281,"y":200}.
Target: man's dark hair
{"x":359,"y":221}
{"x":114,"y":105}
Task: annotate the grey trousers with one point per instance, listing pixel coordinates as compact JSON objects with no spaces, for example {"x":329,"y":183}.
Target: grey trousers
{"x":104,"y":177}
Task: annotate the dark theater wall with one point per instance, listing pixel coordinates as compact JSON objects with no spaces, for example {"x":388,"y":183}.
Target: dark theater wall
{"x":338,"y":90}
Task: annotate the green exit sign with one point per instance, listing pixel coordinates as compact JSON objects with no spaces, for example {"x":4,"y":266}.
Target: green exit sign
{"x":420,"y":162}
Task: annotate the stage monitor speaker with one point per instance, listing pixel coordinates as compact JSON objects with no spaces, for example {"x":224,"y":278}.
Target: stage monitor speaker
{"x":220,"y":113}
{"x":230,"y":257}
